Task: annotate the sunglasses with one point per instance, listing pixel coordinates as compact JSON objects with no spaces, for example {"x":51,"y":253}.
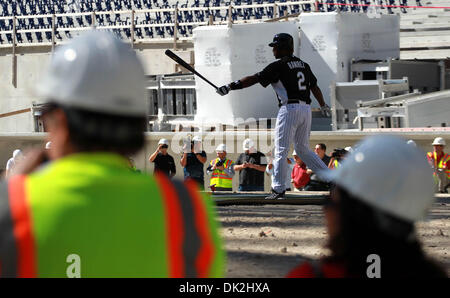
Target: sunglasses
{"x":164,"y":146}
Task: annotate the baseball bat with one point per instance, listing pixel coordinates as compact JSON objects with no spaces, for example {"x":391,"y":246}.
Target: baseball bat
{"x":183,"y":63}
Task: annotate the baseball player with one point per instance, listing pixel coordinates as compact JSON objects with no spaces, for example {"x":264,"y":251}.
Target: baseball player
{"x":292,"y":80}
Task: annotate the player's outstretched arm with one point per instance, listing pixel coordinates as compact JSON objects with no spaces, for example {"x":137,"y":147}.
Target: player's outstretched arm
{"x":324,"y":108}
{"x":240,"y":84}
{"x":318,"y":95}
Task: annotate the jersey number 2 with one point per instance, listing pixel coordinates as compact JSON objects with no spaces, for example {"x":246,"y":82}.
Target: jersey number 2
{"x":301,"y":80}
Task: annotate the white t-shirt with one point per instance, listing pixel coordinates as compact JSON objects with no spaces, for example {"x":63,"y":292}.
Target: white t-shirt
{"x":289,"y":169}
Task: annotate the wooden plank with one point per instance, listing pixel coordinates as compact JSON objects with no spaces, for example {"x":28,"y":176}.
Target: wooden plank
{"x":437,"y":26}
{"x":225,"y":198}
{"x":425,"y":33}
{"x":424,"y":21}
{"x":427,"y":16}
{"x":14,"y":113}
{"x":425,"y":41}
{"x":425,"y":54}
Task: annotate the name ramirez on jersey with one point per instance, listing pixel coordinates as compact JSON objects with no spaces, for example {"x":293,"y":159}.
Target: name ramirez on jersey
{"x":291,"y":78}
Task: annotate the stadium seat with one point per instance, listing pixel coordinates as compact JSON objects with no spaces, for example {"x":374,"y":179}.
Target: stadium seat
{"x":48,"y":7}
{"x":38,"y":36}
{"x":148,"y":32}
{"x":29,"y":37}
{"x":139,"y":33}
{"x":9,"y":37}
{"x":160,"y":31}
{"x":127,"y":32}
{"x":48,"y":35}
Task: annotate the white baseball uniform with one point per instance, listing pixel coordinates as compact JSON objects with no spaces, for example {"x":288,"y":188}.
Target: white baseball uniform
{"x":292,"y":80}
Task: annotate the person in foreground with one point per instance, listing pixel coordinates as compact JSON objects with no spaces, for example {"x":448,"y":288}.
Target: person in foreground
{"x":85,"y":214}
{"x":371,"y":214}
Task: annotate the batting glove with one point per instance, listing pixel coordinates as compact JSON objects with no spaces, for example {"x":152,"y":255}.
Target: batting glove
{"x":223,"y":90}
{"x":325,"y":110}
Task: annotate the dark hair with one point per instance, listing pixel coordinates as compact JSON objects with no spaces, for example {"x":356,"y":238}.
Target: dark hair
{"x":323,"y":146}
{"x":363,"y":231}
{"x":92,"y":131}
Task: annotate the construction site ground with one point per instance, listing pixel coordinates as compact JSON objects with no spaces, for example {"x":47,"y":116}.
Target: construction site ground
{"x":269,"y":240}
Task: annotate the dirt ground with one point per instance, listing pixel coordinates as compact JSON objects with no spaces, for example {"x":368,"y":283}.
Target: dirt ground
{"x":268,"y":241}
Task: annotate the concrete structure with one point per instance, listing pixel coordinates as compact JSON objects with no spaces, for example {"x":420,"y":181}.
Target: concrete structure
{"x":18,"y":80}
{"x":330,"y":41}
{"x":225,"y":54}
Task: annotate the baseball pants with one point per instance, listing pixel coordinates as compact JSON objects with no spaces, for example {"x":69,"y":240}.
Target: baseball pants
{"x":293,"y":126}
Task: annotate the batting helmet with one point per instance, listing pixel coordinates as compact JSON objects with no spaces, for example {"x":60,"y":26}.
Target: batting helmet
{"x":283,"y":41}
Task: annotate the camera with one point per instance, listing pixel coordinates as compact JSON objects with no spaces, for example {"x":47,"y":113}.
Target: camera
{"x":338,"y":153}
{"x":219,"y":163}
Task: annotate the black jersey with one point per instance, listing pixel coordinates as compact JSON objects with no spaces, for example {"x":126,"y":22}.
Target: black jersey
{"x":291,"y":78}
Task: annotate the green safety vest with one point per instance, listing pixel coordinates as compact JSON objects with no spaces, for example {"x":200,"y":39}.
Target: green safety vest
{"x":220,"y":178}
{"x":118,"y":222}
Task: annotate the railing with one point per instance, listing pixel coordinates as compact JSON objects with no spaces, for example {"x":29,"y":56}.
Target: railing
{"x":132,"y":25}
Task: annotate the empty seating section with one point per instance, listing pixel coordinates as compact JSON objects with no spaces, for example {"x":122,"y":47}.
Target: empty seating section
{"x":35,"y":20}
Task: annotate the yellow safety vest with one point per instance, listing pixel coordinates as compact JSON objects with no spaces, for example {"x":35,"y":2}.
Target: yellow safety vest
{"x":220,"y":178}
{"x":336,"y":164}
{"x":91,"y":206}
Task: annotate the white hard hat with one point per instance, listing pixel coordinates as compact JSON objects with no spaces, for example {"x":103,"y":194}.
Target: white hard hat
{"x":196,"y":139}
{"x":349,"y":149}
{"x":221,"y":148}
{"x":17,"y":153}
{"x":388,"y":174}
{"x":96,"y":72}
{"x":411,"y":142}
{"x":48,"y":145}
{"x":294,"y":153}
{"x":439,"y":141}
{"x":163,"y":142}
{"x":247,"y":144}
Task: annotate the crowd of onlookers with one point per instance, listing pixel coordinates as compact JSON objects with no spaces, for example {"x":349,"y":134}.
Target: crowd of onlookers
{"x":252,"y":164}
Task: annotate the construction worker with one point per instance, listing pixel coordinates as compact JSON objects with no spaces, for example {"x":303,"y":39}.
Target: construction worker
{"x":193,"y":160}
{"x":163,"y":161}
{"x":371,"y":214}
{"x":13,"y":161}
{"x":86,"y":214}
{"x":411,"y":143}
{"x":221,"y":170}
{"x":440,"y":163}
{"x":290,"y":166}
{"x":337,"y":157}
{"x":251,"y":166}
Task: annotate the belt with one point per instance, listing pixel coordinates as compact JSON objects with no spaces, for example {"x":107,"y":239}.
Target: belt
{"x":293,"y":101}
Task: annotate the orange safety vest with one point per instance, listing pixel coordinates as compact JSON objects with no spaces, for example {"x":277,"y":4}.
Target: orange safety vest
{"x":442,"y":164}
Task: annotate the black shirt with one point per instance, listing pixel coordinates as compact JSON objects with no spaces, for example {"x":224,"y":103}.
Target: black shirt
{"x":165,"y":164}
{"x":250,"y":176}
{"x":326,"y":159}
{"x":194,"y":168}
{"x":291,"y":78}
